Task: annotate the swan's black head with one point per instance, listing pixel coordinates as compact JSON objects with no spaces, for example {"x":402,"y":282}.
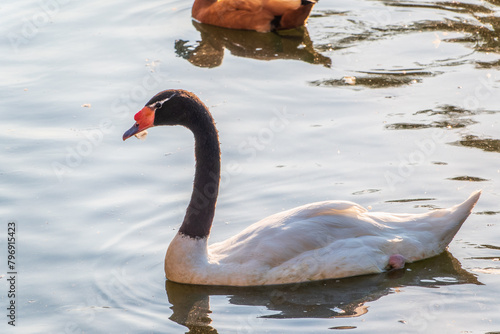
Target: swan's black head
{"x":170,"y":107}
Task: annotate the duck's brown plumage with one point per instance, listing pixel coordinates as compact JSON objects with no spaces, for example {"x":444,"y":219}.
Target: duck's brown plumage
{"x":259,"y":15}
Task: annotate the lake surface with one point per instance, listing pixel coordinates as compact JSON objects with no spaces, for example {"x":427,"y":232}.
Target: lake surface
{"x":391,"y":104}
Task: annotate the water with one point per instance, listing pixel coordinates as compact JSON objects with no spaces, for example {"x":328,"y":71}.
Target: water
{"x":390,"y":104}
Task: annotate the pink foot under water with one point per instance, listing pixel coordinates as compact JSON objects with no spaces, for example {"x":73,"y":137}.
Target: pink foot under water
{"x":396,"y":261}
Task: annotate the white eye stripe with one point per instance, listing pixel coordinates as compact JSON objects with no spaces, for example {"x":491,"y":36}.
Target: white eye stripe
{"x":158,"y":104}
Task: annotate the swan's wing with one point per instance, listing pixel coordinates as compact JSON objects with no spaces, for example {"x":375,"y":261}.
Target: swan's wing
{"x":341,"y":235}
{"x":320,"y":240}
{"x":341,"y":258}
{"x":283,"y":236}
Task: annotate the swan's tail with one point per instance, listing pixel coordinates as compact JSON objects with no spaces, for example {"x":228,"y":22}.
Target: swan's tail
{"x":454,"y":217}
{"x":466,"y":206}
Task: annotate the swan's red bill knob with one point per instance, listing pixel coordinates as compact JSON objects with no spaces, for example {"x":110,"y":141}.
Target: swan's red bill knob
{"x":144,"y":119}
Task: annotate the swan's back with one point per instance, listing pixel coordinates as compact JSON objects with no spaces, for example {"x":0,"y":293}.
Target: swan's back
{"x":335,"y":239}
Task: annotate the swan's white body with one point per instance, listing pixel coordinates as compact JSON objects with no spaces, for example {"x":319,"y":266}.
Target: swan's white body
{"x":323,"y":240}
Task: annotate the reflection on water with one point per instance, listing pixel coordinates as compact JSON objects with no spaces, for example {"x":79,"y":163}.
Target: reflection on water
{"x":377,"y":79}
{"x":445,"y":5}
{"x":481,"y":26}
{"x":480,"y":30}
{"x":326,"y":299}
{"x":489,"y":247}
{"x":406,"y":200}
{"x":468,"y":178}
{"x":452,"y":117}
{"x":292,"y":44}
{"x":491,"y":64}
{"x":475,"y":25}
{"x":491,"y":261}
{"x":485,"y":144}
{"x":488,"y":213}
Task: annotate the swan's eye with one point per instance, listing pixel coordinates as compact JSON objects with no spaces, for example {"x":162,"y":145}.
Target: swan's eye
{"x":159,"y":104}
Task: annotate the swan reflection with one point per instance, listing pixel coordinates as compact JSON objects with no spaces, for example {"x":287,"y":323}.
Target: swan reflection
{"x":325,"y":299}
{"x":292,"y":44}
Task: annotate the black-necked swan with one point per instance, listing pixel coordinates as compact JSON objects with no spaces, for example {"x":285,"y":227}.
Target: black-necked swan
{"x":323,"y":240}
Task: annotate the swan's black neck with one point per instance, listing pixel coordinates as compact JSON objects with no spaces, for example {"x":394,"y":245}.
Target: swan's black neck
{"x":201,"y":209}
{"x":186,"y":109}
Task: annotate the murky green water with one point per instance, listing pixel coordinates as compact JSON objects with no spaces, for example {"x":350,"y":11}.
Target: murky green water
{"x":390,"y":104}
